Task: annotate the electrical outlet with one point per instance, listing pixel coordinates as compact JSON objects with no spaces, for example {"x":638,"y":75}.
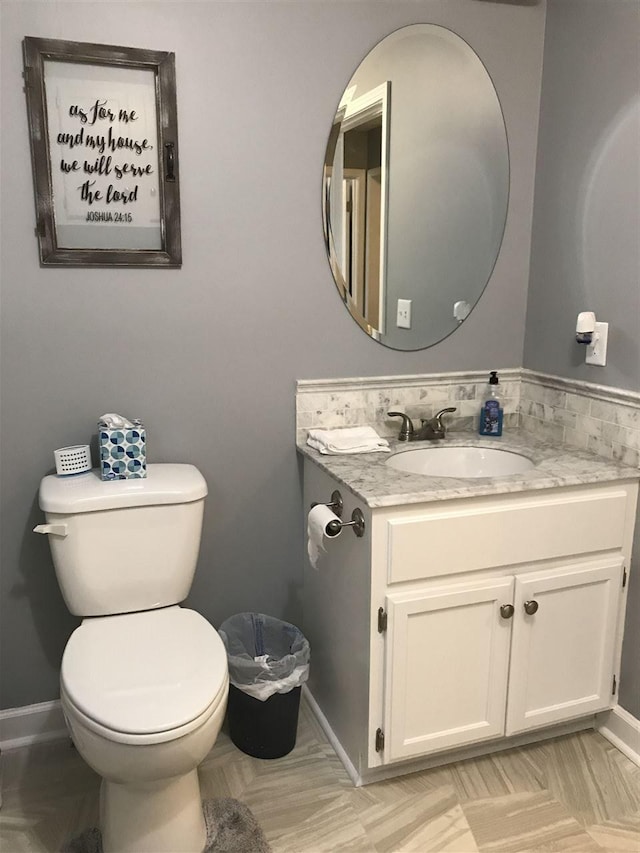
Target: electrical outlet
{"x":597,"y":349}
{"x":403,"y":318}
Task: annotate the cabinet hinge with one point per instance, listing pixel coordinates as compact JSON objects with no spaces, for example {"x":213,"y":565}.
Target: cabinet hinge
{"x":382,"y":620}
{"x":25,"y":77}
{"x":615,"y":684}
{"x":624,"y":577}
{"x":379,"y":740}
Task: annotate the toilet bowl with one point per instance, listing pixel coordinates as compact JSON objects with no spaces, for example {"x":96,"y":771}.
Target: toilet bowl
{"x":144,"y":696}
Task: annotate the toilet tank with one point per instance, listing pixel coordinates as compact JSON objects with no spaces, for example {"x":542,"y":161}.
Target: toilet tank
{"x":120,"y":546}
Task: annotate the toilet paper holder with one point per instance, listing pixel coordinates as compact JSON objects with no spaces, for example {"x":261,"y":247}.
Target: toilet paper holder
{"x":335,"y":526}
{"x":337,"y":504}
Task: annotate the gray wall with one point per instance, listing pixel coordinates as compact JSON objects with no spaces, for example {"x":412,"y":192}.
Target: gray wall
{"x":208,"y":355}
{"x":585,"y":247}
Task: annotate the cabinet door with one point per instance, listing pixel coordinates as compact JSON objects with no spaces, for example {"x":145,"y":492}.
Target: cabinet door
{"x":562,"y":654}
{"x":447,"y":657}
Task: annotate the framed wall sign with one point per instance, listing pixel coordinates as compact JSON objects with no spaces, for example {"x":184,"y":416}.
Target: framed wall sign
{"x":104,"y":149}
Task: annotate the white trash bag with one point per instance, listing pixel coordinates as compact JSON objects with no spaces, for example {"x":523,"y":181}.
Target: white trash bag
{"x":265,"y":655}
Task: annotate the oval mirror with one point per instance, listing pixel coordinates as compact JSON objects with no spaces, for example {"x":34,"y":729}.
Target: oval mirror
{"x":416,"y":186}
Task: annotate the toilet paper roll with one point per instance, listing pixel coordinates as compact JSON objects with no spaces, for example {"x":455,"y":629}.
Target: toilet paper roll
{"x":317,"y":523}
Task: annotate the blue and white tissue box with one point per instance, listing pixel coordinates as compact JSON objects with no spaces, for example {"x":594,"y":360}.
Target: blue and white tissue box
{"x":123,"y":452}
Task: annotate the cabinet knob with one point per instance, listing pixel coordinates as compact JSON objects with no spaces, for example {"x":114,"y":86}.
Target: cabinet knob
{"x":530,"y":607}
{"x":506,"y":611}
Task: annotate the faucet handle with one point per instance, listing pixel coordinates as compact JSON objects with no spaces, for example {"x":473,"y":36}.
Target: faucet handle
{"x":406,"y":430}
{"x":438,"y":416}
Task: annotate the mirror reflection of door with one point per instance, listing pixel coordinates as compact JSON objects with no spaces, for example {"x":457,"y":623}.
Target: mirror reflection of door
{"x":362,"y":198}
{"x":355,"y":202}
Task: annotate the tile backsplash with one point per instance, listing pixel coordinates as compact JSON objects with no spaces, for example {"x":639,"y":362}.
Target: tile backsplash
{"x":356,"y":402}
{"x":603,"y":420}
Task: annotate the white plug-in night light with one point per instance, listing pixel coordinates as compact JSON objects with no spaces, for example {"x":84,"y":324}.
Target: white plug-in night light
{"x":585,"y":327}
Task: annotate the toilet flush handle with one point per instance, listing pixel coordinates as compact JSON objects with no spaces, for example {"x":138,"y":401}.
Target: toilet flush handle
{"x":56,"y":529}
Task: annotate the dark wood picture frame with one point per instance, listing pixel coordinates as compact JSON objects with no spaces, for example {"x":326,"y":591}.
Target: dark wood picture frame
{"x":37,"y":52}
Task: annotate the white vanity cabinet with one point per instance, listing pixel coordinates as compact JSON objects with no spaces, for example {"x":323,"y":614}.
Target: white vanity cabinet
{"x":455,"y":622}
{"x":472,"y":662}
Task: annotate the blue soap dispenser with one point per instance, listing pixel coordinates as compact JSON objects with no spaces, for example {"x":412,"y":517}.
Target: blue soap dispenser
{"x":491,"y":412}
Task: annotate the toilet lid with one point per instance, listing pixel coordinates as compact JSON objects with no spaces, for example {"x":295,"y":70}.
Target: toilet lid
{"x":143,"y":673}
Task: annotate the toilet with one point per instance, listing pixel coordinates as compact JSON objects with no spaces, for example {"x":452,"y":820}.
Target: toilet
{"x":143,"y":681}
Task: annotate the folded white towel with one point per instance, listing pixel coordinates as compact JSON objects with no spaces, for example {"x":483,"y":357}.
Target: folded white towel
{"x":347,"y":440}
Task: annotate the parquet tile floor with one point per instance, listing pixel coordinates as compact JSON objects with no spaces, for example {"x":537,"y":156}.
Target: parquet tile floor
{"x":576,"y":793}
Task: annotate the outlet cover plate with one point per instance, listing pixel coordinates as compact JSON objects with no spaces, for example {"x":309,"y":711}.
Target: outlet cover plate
{"x":597,"y":350}
{"x":403,"y":319}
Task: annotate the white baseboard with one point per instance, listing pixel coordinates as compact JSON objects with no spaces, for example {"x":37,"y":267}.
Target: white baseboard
{"x":331,"y":737}
{"x":32,"y":724}
{"x":623,"y":730}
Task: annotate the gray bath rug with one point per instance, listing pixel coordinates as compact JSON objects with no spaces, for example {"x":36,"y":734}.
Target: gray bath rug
{"x":231,"y":828}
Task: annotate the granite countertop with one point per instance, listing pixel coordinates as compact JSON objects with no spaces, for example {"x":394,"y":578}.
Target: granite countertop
{"x":378,"y":485}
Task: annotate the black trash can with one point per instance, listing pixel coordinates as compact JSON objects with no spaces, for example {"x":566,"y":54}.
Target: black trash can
{"x":268,"y":663}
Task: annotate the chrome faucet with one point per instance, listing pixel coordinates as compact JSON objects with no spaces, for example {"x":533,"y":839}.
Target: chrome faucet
{"x":431,"y":429}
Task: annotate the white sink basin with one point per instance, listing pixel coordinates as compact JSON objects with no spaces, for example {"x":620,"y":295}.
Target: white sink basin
{"x":464,"y":462}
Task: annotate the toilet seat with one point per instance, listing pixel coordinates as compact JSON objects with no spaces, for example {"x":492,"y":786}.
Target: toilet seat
{"x":145,"y":677}
{"x":114,"y":736}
